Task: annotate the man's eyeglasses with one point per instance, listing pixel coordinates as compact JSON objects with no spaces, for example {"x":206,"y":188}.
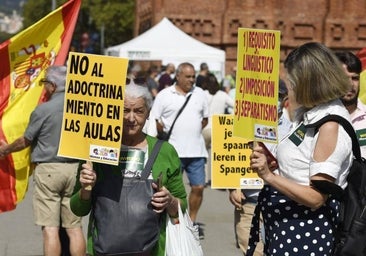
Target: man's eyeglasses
{"x":137,"y":80}
{"x":45,"y":81}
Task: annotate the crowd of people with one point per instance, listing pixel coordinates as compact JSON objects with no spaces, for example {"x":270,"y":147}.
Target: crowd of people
{"x":294,"y":217}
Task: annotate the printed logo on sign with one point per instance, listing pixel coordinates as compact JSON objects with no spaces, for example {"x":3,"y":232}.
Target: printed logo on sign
{"x":251,"y":183}
{"x":265,"y":132}
{"x":103,"y":153}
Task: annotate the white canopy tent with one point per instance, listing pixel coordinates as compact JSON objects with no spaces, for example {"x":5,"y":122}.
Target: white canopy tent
{"x":166,"y":43}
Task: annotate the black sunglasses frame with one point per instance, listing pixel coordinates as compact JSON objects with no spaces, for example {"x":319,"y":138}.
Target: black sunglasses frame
{"x":137,"y":80}
{"x":44,"y":80}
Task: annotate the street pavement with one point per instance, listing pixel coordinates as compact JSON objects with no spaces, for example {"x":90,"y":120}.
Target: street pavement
{"x":19,"y":236}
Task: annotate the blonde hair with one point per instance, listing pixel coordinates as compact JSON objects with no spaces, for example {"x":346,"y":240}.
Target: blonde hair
{"x":316,"y":75}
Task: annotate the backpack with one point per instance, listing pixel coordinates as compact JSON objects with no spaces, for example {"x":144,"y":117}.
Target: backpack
{"x":124,"y":222}
{"x":351,"y":231}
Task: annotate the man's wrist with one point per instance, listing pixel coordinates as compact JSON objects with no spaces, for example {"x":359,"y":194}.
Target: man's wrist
{"x":5,"y":151}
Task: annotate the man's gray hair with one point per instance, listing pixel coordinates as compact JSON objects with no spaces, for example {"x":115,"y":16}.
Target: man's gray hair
{"x":57,"y":75}
{"x":182,"y":66}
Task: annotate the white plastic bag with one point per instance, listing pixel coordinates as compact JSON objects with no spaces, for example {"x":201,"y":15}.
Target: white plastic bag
{"x":182,"y":239}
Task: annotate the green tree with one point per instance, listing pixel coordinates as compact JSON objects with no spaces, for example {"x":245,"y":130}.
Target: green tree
{"x":116,"y":17}
{"x":34,"y":11}
{"x":4,"y":36}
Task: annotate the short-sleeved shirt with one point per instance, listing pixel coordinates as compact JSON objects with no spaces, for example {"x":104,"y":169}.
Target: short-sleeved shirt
{"x":358,"y":118}
{"x":186,"y":135}
{"x":44,"y":130}
{"x":295,"y":152}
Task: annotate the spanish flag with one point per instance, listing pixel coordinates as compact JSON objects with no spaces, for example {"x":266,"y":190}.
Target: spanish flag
{"x":24,"y":59}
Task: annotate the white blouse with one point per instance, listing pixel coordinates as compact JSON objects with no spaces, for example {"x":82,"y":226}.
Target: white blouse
{"x":295,"y":152}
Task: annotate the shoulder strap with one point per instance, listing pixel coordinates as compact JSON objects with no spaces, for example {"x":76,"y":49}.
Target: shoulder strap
{"x":154,"y":153}
{"x":347,"y":126}
{"x":179,"y":112}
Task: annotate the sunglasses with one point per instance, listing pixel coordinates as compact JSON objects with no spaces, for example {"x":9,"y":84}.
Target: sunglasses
{"x":137,"y":80}
{"x":45,"y":81}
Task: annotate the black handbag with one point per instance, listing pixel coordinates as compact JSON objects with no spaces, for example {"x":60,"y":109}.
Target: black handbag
{"x":124,"y":222}
{"x":165,"y":136}
{"x":351,"y":231}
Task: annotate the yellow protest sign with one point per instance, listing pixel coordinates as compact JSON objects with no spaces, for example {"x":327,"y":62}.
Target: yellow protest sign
{"x":230,"y":157}
{"x":257,"y":80}
{"x":362,"y":93}
{"x":93,"y":110}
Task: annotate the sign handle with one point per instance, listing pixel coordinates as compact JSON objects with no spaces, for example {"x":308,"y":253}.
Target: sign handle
{"x":238,"y":190}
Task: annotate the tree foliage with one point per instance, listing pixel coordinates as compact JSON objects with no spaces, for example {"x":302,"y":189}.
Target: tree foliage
{"x":4,"y":36}
{"x":116,"y":17}
{"x":34,"y":10}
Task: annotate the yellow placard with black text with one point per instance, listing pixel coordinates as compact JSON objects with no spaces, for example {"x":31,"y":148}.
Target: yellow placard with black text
{"x":230,"y":165}
{"x":362,"y":94}
{"x":93,"y":110}
{"x":257,"y":81}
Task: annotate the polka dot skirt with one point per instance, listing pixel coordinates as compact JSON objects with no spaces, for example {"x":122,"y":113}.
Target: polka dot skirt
{"x":292,"y":229}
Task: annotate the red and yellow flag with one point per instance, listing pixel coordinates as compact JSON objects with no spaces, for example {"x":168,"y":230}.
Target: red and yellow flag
{"x":24,"y":59}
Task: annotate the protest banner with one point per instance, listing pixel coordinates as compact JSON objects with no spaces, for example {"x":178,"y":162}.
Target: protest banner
{"x":255,"y":113}
{"x":361,"y":54}
{"x":230,"y":157}
{"x":24,"y":58}
{"x":362,"y":93}
{"x":93,"y":110}
{"x":257,"y":79}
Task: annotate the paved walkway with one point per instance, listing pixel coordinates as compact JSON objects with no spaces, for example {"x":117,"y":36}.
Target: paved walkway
{"x":20,"y":237}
